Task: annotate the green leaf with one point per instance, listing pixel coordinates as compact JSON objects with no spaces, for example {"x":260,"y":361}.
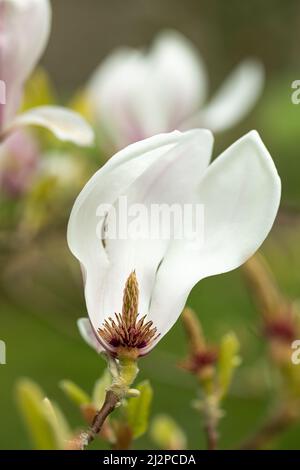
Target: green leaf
{"x":167,"y":434}
{"x":44,"y":426}
{"x":75,"y":393}
{"x":228,"y":361}
{"x":58,"y":422}
{"x":138,"y":409}
{"x":100,"y":388}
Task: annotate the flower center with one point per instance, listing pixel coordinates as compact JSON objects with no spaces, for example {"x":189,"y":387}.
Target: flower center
{"x":128,"y":330}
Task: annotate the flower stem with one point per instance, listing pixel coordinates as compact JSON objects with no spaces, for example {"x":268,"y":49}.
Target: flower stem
{"x":211,"y":416}
{"x":211,"y":436}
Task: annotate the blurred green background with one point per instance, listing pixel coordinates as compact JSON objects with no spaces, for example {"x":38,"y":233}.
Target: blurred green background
{"x":41,"y":292}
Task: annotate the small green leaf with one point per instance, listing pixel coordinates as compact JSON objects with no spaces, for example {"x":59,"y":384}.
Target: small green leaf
{"x":58,"y":422}
{"x":100,"y":388}
{"x":43,"y":426}
{"x":138,"y":409}
{"x":228,"y":361}
{"x":166,"y":433}
{"x":75,"y":393}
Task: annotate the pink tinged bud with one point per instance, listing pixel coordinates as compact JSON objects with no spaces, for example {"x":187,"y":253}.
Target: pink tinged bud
{"x":24,"y":32}
{"x":19,"y":157}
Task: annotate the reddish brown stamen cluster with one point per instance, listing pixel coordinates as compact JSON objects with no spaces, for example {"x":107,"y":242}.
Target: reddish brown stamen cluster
{"x":199,"y":361}
{"x":281,"y":328}
{"x":126,"y":331}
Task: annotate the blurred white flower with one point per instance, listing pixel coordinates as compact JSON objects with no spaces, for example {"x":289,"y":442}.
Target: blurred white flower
{"x":66,"y":168}
{"x":24,"y":32}
{"x":136,"y":94}
{"x":240,"y":191}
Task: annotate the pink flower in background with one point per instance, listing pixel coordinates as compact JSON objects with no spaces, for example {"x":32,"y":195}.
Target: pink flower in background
{"x":19,"y":161}
{"x":135,"y":94}
{"x":24,"y":32}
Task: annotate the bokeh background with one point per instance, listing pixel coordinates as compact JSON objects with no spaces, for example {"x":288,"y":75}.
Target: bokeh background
{"x":40,"y":290}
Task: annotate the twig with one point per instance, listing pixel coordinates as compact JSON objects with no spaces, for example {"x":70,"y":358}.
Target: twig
{"x":110,"y":403}
{"x":211,"y":415}
{"x":269,"y":430}
{"x":211,"y":435}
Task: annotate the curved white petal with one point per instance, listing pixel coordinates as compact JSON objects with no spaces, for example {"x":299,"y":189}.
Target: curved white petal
{"x":106,"y":185}
{"x":88,"y":335}
{"x":234,"y":99}
{"x":136,"y":94}
{"x":241,"y":194}
{"x":66,"y":125}
{"x":178,"y":160}
{"x":104,"y":188}
{"x":24,"y":31}
{"x":172,"y":180}
{"x":115,"y":91}
{"x":181,"y":75}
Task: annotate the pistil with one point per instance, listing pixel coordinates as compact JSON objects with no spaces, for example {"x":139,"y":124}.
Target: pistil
{"x":127,"y":332}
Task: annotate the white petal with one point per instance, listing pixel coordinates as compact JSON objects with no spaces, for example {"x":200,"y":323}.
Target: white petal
{"x":66,"y":125}
{"x":234,"y":100}
{"x":103,"y":289}
{"x":181,"y":76}
{"x":88,"y":335}
{"x":24,"y":32}
{"x":241,"y":194}
{"x":121,"y":96}
{"x":171,"y":180}
{"x":104,"y":187}
{"x":137,"y":94}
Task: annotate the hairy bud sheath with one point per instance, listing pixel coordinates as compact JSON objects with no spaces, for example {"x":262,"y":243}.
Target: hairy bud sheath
{"x":201,"y":358}
{"x":125,"y":333}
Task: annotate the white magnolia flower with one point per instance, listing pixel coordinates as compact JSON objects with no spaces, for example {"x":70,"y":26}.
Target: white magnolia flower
{"x":24,"y":32}
{"x":136,"y":94}
{"x":240,"y":192}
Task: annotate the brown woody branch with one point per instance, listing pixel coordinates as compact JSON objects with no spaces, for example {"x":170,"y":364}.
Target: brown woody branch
{"x":110,"y":403}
